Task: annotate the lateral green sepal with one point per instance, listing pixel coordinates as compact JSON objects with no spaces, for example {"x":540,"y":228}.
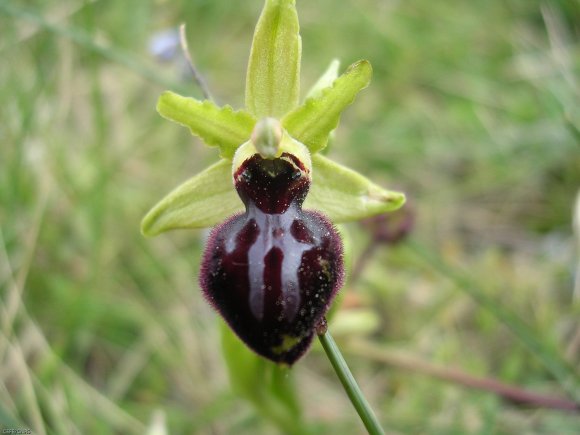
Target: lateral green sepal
{"x":345,"y":195}
{"x":202,"y":201}
{"x":312,"y":122}
{"x":216,"y":126}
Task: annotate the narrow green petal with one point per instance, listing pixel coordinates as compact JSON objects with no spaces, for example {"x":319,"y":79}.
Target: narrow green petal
{"x":312,"y":122}
{"x":345,"y":195}
{"x":273,"y":77}
{"x":217,"y":126}
{"x":202,"y":201}
{"x":325,"y":80}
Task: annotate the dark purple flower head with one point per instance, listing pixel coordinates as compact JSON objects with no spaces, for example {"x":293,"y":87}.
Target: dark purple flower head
{"x":273,"y":271}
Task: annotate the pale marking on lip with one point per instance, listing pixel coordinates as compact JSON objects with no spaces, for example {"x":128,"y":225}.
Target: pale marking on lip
{"x":292,"y":250}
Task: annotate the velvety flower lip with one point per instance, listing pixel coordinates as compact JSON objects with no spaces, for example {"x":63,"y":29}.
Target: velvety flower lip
{"x":273,"y":271}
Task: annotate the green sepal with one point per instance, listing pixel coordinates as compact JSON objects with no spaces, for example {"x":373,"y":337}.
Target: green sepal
{"x":312,"y":122}
{"x":273,"y":76}
{"x":216,"y":126}
{"x":345,"y":195}
{"x":202,"y":201}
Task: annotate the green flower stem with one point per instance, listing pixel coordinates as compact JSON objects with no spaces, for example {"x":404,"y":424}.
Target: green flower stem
{"x":355,"y":395}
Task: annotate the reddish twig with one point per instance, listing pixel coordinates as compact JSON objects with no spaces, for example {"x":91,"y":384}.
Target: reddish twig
{"x":507,"y":391}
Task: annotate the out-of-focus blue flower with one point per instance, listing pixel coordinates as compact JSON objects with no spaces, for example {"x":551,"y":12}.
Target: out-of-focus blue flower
{"x":164,"y":45}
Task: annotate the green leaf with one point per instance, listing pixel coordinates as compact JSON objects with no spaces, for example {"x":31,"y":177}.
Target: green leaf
{"x":273,"y":77}
{"x":245,"y":368}
{"x":345,"y":195}
{"x":202,"y":201}
{"x":217,"y":126}
{"x":312,"y":122}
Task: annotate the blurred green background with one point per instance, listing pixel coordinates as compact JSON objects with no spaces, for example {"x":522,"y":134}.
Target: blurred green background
{"x":473,"y":111}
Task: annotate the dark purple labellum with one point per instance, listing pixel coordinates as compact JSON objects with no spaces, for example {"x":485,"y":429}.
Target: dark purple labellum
{"x":273,"y":271}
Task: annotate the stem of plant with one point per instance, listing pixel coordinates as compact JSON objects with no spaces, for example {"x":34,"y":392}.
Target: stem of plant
{"x":352,"y":389}
{"x":194,"y":72}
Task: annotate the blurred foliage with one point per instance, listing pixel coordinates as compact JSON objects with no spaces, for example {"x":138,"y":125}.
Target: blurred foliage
{"x":473,"y":111}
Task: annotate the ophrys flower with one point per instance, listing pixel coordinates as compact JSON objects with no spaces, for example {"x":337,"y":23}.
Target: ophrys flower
{"x":272,"y":270}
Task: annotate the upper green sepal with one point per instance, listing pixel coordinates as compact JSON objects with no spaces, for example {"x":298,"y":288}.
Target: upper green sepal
{"x":200,"y":202}
{"x":216,"y":126}
{"x":312,"y":122}
{"x":273,"y":76}
{"x":345,"y":195}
